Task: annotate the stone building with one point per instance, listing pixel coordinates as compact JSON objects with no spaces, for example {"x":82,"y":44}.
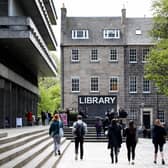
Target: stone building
{"x":102,"y":60}
{"x":26,"y":36}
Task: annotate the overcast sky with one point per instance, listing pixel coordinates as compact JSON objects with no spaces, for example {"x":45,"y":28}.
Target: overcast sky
{"x":134,"y":8}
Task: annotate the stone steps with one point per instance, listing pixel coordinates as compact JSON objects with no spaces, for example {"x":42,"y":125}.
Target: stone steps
{"x":90,"y":136}
{"x":30,"y":150}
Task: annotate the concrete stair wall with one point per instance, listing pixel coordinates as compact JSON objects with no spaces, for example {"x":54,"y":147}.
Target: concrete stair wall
{"x":30,"y":150}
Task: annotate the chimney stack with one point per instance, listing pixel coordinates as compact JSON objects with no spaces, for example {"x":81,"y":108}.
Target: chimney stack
{"x":123,"y":18}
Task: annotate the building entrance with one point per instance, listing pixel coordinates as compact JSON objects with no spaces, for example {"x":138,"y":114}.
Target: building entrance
{"x":93,"y":106}
{"x":146,"y":119}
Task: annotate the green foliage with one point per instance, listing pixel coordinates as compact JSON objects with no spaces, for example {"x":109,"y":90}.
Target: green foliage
{"x":156,"y":68}
{"x":160,"y":10}
{"x":50,"y":95}
{"x":50,"y":92}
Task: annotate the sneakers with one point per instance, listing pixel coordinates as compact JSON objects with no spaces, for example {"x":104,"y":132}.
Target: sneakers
{"x":163,"y":162}
{"x":133,"y":163}
{"x":155,"y":161}
{"x":59,"y":153}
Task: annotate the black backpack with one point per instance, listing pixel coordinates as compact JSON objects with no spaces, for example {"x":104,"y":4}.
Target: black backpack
{"x":80,"y":131}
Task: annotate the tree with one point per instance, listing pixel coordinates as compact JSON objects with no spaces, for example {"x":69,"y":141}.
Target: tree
{"x":50,"y":92}
{"x":156,"y":68}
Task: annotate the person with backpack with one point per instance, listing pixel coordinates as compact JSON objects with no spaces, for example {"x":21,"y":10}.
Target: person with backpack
{"x":54,"y":131}
{"x":79,"y":130}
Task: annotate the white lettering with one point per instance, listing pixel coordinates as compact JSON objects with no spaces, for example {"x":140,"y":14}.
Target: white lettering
{"x":97,"y":100}
{"x":101,"y":100}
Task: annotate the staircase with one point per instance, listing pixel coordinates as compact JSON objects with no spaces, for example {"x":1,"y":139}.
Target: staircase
{"x":90,"y":136}
{"x":33,"y":149}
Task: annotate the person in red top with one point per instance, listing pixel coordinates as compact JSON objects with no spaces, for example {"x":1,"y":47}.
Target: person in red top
{"x":29,"y":118}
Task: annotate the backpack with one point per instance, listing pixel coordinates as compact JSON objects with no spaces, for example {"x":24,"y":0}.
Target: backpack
{"x":80,"y":131}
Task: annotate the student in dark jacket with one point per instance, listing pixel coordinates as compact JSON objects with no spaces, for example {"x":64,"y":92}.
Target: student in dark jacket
{"x":131,"y":140}
{"x":115,"y":140}
{"x":158,"y":139}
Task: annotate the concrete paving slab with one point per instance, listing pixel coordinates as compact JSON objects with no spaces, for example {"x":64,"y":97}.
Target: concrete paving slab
{"x":96,"y":155}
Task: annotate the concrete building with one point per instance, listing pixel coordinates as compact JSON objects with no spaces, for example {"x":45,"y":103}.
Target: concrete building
{"x":26,"y":37}
{"x":103,"y":67}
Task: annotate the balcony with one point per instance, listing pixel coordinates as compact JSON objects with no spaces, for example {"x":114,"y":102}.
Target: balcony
{"x":20,"y":39}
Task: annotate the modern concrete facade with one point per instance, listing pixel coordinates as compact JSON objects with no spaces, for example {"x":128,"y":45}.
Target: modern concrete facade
{"x":26,"y":37}
{"x":103,"y":59}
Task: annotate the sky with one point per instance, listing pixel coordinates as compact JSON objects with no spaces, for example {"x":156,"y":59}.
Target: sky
{"x":134,"y":8}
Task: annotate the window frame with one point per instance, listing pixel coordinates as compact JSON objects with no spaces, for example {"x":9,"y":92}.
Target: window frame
{"x":94,"y":55}
{"x":161,"y":116}
{"x":131,"y":85}
{"x":75,"y":78}
{"x":145,"y":55}
{"x":94,"y":91}
{"x":75,"y":35}
{"x":145,"y":85}
{"x":133,"y":56}
{"x":110,"y":84}
{"x":107,"y":32}
{"x":112,"y":54}
{"x":74,"y":56}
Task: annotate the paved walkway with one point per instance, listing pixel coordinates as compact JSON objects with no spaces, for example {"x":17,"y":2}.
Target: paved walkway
{"x":98,"y":156}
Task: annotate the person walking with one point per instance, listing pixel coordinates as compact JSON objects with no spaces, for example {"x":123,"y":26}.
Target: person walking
{"x":79,"y":130}
{"x":131,"y":140}
{"x":114,"y":140}
{"x":158,"y":139}
{"x":54,"y":131}
{"x":98,"y":126}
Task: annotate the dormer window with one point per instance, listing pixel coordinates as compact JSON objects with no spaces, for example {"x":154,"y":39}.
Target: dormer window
{"x":80,"y":34}
{"x":138,"y":31}
{"x":111,"y":34}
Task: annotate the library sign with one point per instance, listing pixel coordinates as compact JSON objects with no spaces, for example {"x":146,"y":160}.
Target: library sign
{"x":90,"y":100}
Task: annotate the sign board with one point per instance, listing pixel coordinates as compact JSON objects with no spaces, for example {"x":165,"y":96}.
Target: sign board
{"x":97,"y":105}
{"x":19,"y":122}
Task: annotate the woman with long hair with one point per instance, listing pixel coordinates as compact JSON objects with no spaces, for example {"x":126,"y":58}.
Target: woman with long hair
{"x":158,"y":139}
{"x":131,"y":140}
{"x":54,"y":131}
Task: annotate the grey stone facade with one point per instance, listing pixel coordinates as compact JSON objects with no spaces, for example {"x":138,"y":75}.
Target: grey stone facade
{"x":141,"y":106}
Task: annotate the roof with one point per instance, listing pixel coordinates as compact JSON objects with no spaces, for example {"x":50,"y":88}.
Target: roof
{"x":96,"y":25}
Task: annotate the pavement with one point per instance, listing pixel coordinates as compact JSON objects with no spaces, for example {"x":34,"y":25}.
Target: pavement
{"x":96,"y":155}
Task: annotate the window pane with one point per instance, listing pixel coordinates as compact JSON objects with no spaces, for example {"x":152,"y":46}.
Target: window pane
{"x":132,"y":84}
{"x":146,"y":85}
{"x":114,"y":84}
{"x":94,"y":55}
{"x":75,"y":84}
{"x":145,"y":52}
{"x":113,"y":54}
{"x":94,"y":84}
{"x":75,"y":55}
{"x":132,"y":55}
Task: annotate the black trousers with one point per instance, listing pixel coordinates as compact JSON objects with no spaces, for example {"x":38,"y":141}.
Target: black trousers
{"x":160,"y":145}
{"x":131,"y":149}
{"x":114,"y":150}
{"x":79,"y":141}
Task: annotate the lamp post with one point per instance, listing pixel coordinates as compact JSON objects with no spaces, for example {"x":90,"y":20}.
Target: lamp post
{"x":157,"y":103}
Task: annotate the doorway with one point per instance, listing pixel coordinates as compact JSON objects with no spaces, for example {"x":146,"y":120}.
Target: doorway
{"x":146,"y":119}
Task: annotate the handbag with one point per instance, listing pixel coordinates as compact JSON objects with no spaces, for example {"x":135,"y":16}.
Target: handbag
{"x":61,"y":132}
